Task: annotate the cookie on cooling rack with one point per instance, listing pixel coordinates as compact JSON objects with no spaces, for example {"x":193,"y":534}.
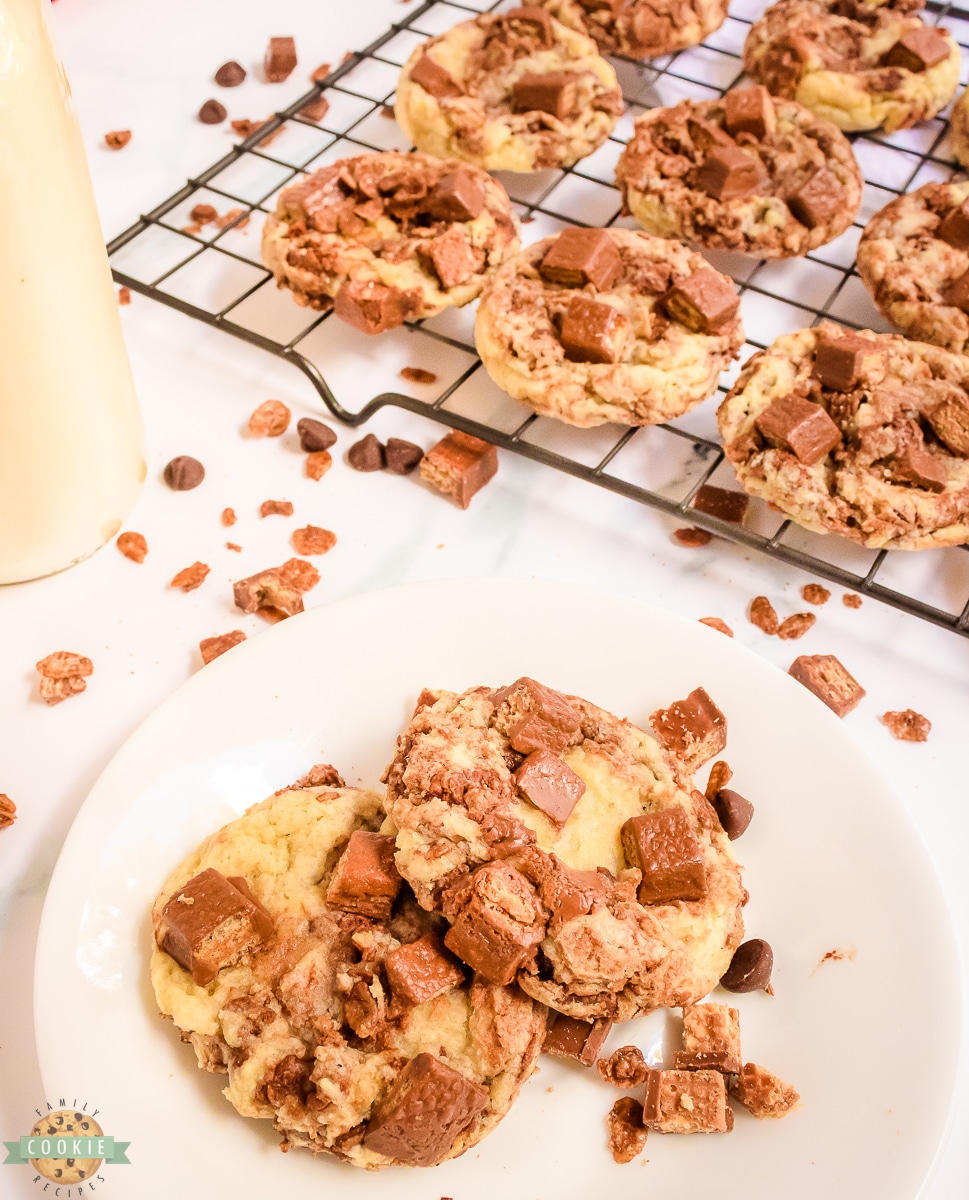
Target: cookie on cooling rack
{"x":513,"y":91}
{"x":914,"y":259}
{"x":598,"y":325}
{"x":567,"y":848}
{"x":389,"y":237}
{"x":748,"y":172}
{"x":861,"y":434}
{"x":291,"y":955}
{"x":641,"y":28}
{"x":959,"y":129}
{"x":859,"y":65}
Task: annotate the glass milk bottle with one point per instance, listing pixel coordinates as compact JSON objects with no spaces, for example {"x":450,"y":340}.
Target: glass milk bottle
{"x":71,"y":459}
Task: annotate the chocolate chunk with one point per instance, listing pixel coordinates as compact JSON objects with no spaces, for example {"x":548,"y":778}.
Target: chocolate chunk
{"x":372,"y":307}
{"x":184,"y":473}
{"x":212,"y":113}
{"x":270,"y":593}
{"x":459,"y":466}
{"x":920,"y":468}
{"x":750,"y":110}
{"x":722,"y":503}
{"x":453,"y":257}
{"x":665,"y":849}
{"x":627,"y":1133}
{"x":954,"y":228}
{"x":907,"y":725}
{"x":230,"y":74}
{"x":280,"y":59}
{"x":457,"y":196}
{"x":686,"y":1102}
{"x":957,"y":293}
{"x":950,"y":424}
{"x":314,"y":435}
{"x":499,"y":921}
{"x":729,"y":173}
{"x":568,"y":1037}
{"x":763,"y":1094}
{"x":417,"y":375}
{"x":402,"y":457}
{"x":538,"y":18}
{"x":593,"y":332}
{"x":817,"y":199}
{"x":551,"y":92}
{"x":582,"y":256}
{"x":795,"y":626}
{"x":918,"y":49}
{"x":750,"y":968}
{"x":704,"y":302}
{"x":427,"y":1107}
{"x":434,"y":79}
{"x":711,"y":1032}
{"x":210,"y":922}
{"x":365,"y":879}
{"x":546,"y":781}
{"x":315,"y":110}
{"x":548,"y":720}
{"x":421,"y":970}
{"x":703,"y":1060}
{"x":568,"y":893}
{"x":824,"y":675}
{"x":800,"y":426}
{"x":693,"y":729}
{"x":625,"y":1068}
{"x":843,"y":362}
{"x":734,"y":812}
{"x":708,"y":136}
{"x":8,"y":811}
{"x":692,"y":538}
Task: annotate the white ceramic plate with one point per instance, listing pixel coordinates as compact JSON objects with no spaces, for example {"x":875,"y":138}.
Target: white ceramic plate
{"x":832,"y":863}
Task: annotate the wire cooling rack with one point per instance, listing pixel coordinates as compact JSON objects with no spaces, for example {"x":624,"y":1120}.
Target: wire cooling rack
{"x":214,"y":274}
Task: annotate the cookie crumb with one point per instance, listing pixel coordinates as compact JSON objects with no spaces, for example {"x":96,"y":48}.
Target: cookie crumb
{"x":836,"y":955}
{"x":212,"y":647}
{"x":191,"y":577}
{"x":203,"y":214}
{"x":228,"y":517}
{"x":387,"y":111}
{"x":270,"y":419}
{"x":627,"y":1133}
{"x":907,"y":725}
{"x":716,"y":623}
{"x":763,"y":614}
{"x":8,"y":811}
{"x":312,"y":539}
{"x":300,"y":574}
{"x":316,"y":109}
{"x":62,"y":675}
{"x":625,"y":1068}
{"x":233,"y":546}
{"x":814,"y":593}
{"x":321,"y":775}
{"x":117,"y":139}
{"x":795,"y":626}
{"x":318,"y":463}
{"x":124,"y":296}
{"x":692,"y":537}
{"x":417,"y":375}
{"x":276,"y":508}
{"x":132,"y":545}
{"x":851,"y":600}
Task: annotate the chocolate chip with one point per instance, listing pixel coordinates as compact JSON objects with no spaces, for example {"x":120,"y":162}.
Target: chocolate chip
{"x":314,"y":435}
{"x":184,"y":473}
{"x":280,"y":59}
{"x":401,"y":457}
{"x":750,"y":968}
{"x":230,"y":74}
{"x":212,"y":113}
{"x":733,"y":811}
{"x":367,"y":454}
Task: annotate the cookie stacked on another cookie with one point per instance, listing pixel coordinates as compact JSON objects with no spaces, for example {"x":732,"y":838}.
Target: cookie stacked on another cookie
{"x":389,"y":237}
{"x":861,"y":434}
{"x":513,"y":91}
{"x":641,"y":28}
{"x":862,"y":66}
{"x":599,"y":325}
{"x":749,"y":172}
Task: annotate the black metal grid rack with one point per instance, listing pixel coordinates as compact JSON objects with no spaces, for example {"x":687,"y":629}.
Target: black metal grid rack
{"x":215,"y":275}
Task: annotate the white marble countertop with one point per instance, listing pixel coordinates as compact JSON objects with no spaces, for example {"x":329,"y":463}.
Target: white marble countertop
{"x":148,"y":68}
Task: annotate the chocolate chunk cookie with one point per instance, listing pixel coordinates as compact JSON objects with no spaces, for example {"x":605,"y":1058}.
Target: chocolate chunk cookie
{"x":862,"y":66}
{"x":291,"y":955}
{"x":959,"y":129}
{"x":513,"y":91}
{"x":567,"y":849}
{"x":389,"y":237}
{"x":641,"y":28}
{"x":599,"y":325}
{"x":862,"y":434}
{"x":749,"y":172}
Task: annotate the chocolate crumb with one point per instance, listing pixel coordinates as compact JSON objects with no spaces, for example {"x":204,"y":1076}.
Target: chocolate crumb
{"x":279,"y":61}
{"x":387,"y":111}
{"x":228,"y":517}
{"x":318,"y":463}
{"x":203,"y":214}
{"x":232,"y":215}
{"x":836,"y":955}
{"x":212,"y":647}
{"x":907,"y":725}
{"x":814,"y":593}
{"x":627,"y":1133}
{"x":750,"y":968}
{"x":184,"y":473}
{"x":64,"y":664}
{"x":132,"y":545}
{"x":8,"y":811}
{"x":851,"y":600}
{"x":626,"y":1068}
{"x":417,"y":375}
{"x":692,"y":538}
{"x":124,"y":296}
{"x":270,"y":419}
{"x":233,"y":546}
{"x":316,"y":109}
{"x":795,"y":626}
{"x":191,"y":577}
{"x":212,"y":113}
{"x":716,"y":623}
{"x":276,"y":508}
{"x":118,"y":139}
{"x":321,"y":72}
{"x":763,"y":615}
{"x":321,"y":775}
{"x":367,"y":454}
{"x":230,"y":74}
{"x":312,"y":539}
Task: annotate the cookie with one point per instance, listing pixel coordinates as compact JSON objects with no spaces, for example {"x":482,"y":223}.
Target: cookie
{"x":599,"y":325}
{"x":389,"y":237}
{"x":641,"y":28}
{"x":859,"y":65}
{"x":865,"y":435}
{"x":523,"y":815}
{"x":513,"y":91}
{"x":959,"y":129}
{"x":748,"y":172}
{"x":291,"y":956}
{"x":914,"y":259}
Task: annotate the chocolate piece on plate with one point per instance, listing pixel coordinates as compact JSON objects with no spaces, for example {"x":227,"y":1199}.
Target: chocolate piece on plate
{"x":713,"y":1029}
{"x":687,"y":1102}
{"x":581,"y":256}
{"x":402,"y":457}
{"x":919,"y":468}
{"x":734,"y":812}
{"x":184,"y":473}
{"x":750,"y":968}
{"x":568,"y":1037}
{"x":365,"y":879}
{"x":799,"y":426}
{"x":704,"y":302}
{"x":456,"y":196}
{"x":593,"y":332}
{"x":436,"y":80}
{"x":230,"y":74}
{"x":729,"y":173}
{"x":918,"y":49}
{"x":421,"y":970}
{"x":750,"y":110}
{"x":817,"y":199}
{"x":498,"y":922}
{"x":762,"y":1093}
{"x":548,"y":783}
{"x":824,"y":675}
{"x":663,"y":847}
{"x":694,"y":729}
{"x":212,"y":113}
{"x":280,"y":59}
{"x":721,"y":502}
{"x":459,"y":466}
{"x":314,"y":435}
{"x":367,"y":455}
